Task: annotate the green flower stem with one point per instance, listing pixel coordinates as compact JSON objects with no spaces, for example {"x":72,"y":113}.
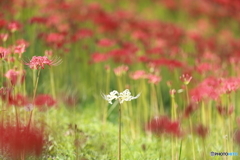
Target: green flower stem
{"x":52,"y":83}
{"x":190,"y":123}
{"x":119,"y":131}
{"x":34,"y":95}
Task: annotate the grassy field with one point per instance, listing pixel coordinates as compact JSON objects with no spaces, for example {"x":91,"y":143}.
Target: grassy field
{"x":130,"y":80}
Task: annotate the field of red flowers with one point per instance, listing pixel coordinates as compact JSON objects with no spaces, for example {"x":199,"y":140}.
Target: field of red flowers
{"x":130,"y":80}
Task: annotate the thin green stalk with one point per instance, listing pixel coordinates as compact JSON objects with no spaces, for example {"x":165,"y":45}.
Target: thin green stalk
{"x":190,"y":123}
{"x":180,"y":151}
{"x":119,"y":131}
{"x":34,"y":95}
{"x":204,"y":149}
{"x":52,"y":83}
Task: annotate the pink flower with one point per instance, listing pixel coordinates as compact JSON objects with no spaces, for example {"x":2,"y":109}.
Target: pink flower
{"x":163,"y":125}
{"x":106,"y":43}
{"x":138,"y":74}
{"x":120,"y":70}
{"x":44,"y":100}
{"x":18,"y":141}
{"x":186,"y":78}
{"x":39,"y":62}
{"x":20,"y":49}
{"x":14,"y":26}
{"x":55,"y":39}
{"x":3,"y":36}
{"x":19,"y":100}
{"x":15,"y":76}
{"x":152,"y":78}
{"x":98,"y":57}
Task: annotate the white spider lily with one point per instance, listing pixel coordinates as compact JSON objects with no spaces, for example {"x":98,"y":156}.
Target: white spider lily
{"x":121,"y":97}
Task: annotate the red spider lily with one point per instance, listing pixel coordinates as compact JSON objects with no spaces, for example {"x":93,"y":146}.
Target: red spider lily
{"x":19,"y":100}
{"x":105,"y":42}
{"x":140,"y":74}
{"x":163,"y":125}
{"x":39,"y":62}
{"x":15,"y":76}
{"x":167,"y":62}
{"x":3,"y":23}
{"x":172,"y":92}
{"x":81,"y":34}
{"x":4,"y":52}
{"x":152,"y":78}
{"x":99,"y":57}
{"x":38,"y":20}
{"x":208,"y":89}
{"x":20,"y":141}
{"x":186,"y":78}
{"x":55,"y":39}
{"x":14,"y":26}
{"x":22,"y":42}
{"x":48,"y":53}
{"x":213,"y":87}
{"x":201,"y":131}
{"x":44,"y":100}
{"x":230,"y":84}
{"x":4,"y":37}
{"x":121,"y":70}
{"x":20,"y":49}
{"x":125,"y":55}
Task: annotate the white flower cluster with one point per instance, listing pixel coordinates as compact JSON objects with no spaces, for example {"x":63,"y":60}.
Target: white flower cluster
{"x":121,"y":97}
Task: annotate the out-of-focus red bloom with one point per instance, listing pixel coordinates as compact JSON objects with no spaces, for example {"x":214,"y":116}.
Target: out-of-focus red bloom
{"x":201,"y":131}
{"x":186,"y":78}
{"x":20,"y":49}
{"x":138,"y":74}
{"x":18,"y":141}
{"x":167,"y":62}
{"x":208,"y":89}
{"x":15,"y":76}
{"x":163,"y":125}
{"x":55,"y":39}
{"x":39,"y":62}
{"x":22,"y":42}
{"x":230,"y":85}
{"x":4,"y":37}
{"x":81,"y":34}
{"x":99,"y":57}
{"x":123,"y":55}
{"x":4,"y":52}
{"x":38,"y":20}
{"x":14,"y":26}
{"x":189,"y":110}
{"x":152,"y":78}
{"x":120,"y":70}
{"x":3,"y":23}
{"x":44,"y":100}
{"x":105,"y":42}
{"x":19,"y":100}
